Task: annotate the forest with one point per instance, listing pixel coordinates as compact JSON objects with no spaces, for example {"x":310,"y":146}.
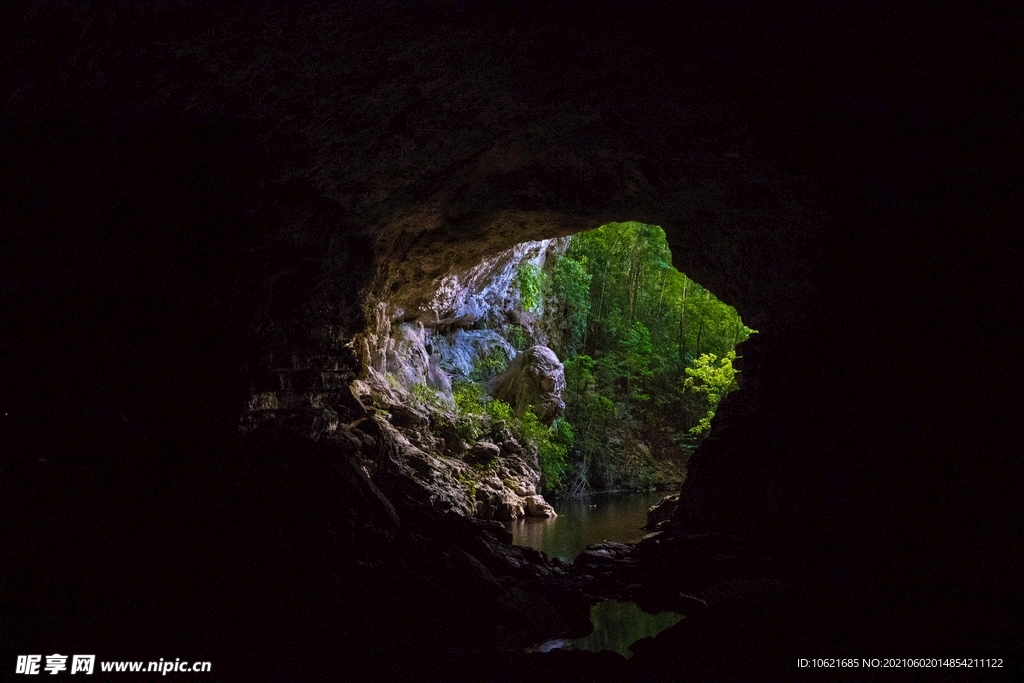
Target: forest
{"x":648,"y":356}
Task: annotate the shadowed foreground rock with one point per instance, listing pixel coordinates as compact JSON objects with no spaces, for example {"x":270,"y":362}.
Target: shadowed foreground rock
{"x":204,"y":204}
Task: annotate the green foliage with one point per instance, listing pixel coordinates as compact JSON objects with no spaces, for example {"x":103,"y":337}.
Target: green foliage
{"x":647,"y":325}
{"x":469,"y":398}
{"x":476,"y":412}
{"x":469,"y":410}
{"x":551,"y":444}
{"x":468,"y":483}
{"x":500,"y":411}
{"x":712,"y":378}
{"x":493,"y":363}
{"x":704,"y":425}
{"x":530,"y":280}
{"x":562,"y":432}
{"x":571,"y":287}
{"x":427,"y":397}
{"x":638,"y":354}
{"x":516,"y":336}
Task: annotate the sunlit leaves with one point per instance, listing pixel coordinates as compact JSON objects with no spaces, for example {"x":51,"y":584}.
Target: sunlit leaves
{"x":530,"y":282}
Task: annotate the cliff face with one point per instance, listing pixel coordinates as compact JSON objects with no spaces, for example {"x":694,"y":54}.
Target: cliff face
{"x":455,"y":328}
{"x":201,"y":201}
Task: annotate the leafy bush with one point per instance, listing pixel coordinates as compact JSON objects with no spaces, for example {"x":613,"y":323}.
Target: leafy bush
{"x":551,"y":444}
{"x":476,"y":411}
{"x":712,"y":380}
{"x":516,"y":336}
{"x":500,"y":411}
{"x":469,"y":398}
{"x":488,"y":365}
{"x":428,"y":397}
{"x":469,"y":410}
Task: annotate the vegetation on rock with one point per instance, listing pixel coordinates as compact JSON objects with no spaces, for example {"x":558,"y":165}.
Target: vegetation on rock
{"x":531,"y":281}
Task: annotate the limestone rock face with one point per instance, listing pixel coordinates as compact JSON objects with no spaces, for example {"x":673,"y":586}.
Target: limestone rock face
{"x":493,"y":501}
{"x":534,"y":379}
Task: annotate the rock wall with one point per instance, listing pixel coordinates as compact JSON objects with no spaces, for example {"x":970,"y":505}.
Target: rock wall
{"x":459,"y":321}
{"x":534,"y":380}
{"x":198,"y":199}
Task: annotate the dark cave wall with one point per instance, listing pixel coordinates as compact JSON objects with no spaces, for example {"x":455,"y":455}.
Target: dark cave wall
{"x":155,"y":168}
{"x":196,"y":193}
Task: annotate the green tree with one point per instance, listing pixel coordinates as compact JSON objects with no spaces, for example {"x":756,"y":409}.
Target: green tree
{"x":571,"y":287}
{"x":711,"y":378}
{"x":648,"y":324}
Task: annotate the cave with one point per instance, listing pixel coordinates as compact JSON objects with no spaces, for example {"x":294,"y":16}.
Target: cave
{"x":205,"y":207}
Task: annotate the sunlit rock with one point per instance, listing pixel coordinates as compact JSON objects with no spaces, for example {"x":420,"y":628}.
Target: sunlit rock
{"x":459,"y":352}
{"x":536,"y":506}
{"x":535,"y":379}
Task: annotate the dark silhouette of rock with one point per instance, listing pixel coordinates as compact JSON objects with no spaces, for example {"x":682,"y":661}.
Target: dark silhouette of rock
{"x":662,"y":512}
{"x":203,"y":201}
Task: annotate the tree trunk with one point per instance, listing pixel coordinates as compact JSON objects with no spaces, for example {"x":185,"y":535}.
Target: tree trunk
{"x":682,"y":327}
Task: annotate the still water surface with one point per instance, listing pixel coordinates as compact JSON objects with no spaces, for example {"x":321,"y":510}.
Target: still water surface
{"x":601,"y":517}
{"x":581,"y":522}
{"x":617,"y":625}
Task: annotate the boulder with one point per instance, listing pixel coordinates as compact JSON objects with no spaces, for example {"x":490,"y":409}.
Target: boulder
{"x":536,"y":506}
{"x":483,"y":453}
{"x":534,"y":379}
{"x":659,"y":514}
{"x":498,"y":503}
{"x":405,"y":417}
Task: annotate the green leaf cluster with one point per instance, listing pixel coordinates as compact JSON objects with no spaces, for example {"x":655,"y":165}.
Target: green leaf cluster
{"x":490,"y":364}
{"x":551,"y":444}
{"x":571,"y":288}
{"x":530,"y":280}
{"x":516,"y":336}
{"x":713,"y":379}
{"x":427,"y":397}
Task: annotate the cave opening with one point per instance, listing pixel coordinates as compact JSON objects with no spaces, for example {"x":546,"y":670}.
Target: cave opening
{"x":559,"y":386}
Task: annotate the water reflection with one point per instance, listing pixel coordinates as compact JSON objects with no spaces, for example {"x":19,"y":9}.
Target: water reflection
{"x":581,"y":522}
{"x":617,"y":625}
